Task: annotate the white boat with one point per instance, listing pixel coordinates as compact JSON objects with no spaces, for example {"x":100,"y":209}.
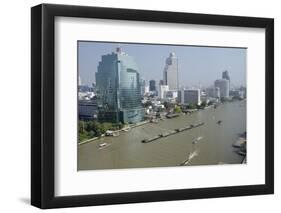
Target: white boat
{"x":101,"y":145}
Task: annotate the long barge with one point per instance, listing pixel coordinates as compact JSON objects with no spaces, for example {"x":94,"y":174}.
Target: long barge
{"x":172,"y":132}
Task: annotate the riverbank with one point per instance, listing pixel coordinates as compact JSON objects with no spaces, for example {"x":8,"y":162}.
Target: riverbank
{"x":131,"y":126}
{"x":124,"y":129}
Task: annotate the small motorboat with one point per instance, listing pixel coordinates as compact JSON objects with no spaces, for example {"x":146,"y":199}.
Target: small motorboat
{"x":101,"y":145}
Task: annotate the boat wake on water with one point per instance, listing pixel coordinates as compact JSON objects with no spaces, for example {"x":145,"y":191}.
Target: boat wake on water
{"x":190,"y":157}
{"x":196,"y":140}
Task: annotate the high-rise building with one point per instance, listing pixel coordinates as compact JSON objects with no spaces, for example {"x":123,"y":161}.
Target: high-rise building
{"x":213,"y":92}
{"x":190,"y":96}
{"x":225,"y":75}
{"x":152,"y":85}
{"x":170,"y":74}
{"x":223,"y":86}
{"x":118,"y":89}
{"x":142,"y":85}
{"x":162,"y":90}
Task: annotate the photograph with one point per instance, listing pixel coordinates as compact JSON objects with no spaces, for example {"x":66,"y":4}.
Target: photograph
{"x":169,"y":104}
{"x":160,"y":105}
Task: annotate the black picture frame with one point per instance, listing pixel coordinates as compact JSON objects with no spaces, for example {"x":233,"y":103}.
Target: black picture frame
{"x":43,"y":105}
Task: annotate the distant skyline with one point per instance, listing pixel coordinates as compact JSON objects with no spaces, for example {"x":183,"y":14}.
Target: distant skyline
{"x":197,"y":65}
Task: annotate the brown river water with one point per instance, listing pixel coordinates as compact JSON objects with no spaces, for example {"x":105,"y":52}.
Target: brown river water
{"x":215,"y":147}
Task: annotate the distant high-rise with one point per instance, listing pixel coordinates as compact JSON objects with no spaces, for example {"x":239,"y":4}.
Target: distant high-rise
{"x":142,"y":85}
{"x":170,"y":74}
{"x":119,"y":89}
{"x":223,"y":86}
{"x":213,"y":92}
{"x":152,"y":85}
{"x":225,"y":75}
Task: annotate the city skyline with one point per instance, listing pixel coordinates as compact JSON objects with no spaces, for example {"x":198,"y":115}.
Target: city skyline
{"x":129,"y":125}
{"x":191,"y":70}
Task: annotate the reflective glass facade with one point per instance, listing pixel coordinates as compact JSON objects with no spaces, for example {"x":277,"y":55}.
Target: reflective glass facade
{"x":119,"y":89}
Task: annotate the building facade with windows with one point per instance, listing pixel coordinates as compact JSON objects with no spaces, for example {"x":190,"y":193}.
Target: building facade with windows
{"x":162,"y":90}
{"x":223,"y":86}
{"x":190,"y":96}
{"x":152,"y":85}
{"x":119,"y":89}
{"x":170,"y":73}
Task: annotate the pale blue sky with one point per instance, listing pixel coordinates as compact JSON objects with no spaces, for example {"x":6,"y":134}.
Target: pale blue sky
{"x":197,"y":65}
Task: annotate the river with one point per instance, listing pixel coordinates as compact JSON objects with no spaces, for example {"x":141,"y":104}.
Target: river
{"x":215,"y":147}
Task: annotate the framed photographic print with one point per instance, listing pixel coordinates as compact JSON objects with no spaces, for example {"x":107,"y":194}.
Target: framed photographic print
{"x":139,"y":106}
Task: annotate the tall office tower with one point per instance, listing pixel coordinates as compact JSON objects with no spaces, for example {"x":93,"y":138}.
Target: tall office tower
{"x":142,"y":86}
{"x":170,"y":76}
{"x":118,"y":89}
{"x":223,"y":86}
{"x":152,"y":85}
{"x":225,"y":75}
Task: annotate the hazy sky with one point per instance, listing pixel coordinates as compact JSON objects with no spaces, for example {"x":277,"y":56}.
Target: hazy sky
{"x":197,"y":65}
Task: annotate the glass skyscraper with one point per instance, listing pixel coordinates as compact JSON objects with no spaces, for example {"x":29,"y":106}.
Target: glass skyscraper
{"x":119,"y":89}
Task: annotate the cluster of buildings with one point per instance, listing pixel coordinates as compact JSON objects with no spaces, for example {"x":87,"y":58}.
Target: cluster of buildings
{"x":120,"y":93}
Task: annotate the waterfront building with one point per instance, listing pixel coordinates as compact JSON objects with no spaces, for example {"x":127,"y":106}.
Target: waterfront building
{"x":170,"y":74}
{"x":152,"y":85}
{"x":119,"y":89}
{"x":213,"y":92}
{"x":162,"y":90}
{"x":191,"y":96}
{"x":244,"y":91}
{"x":223,"y":86}
{"x":88,"y":109}
{"x":235,"y":93}
{"x":171,"y":94}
